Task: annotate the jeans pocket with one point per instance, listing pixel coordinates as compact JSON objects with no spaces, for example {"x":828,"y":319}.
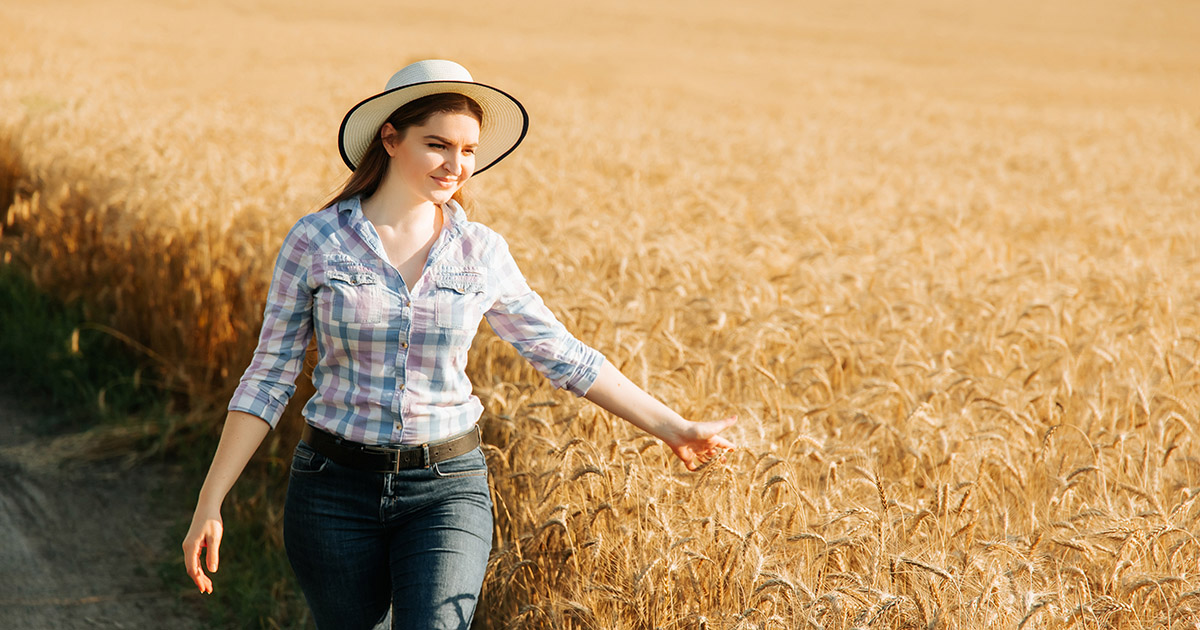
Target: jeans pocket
{"x":307,"y":461}
{"x":472,"y":464}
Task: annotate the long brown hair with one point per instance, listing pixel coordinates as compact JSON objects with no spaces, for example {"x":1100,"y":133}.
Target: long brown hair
{"x":366,"y":178}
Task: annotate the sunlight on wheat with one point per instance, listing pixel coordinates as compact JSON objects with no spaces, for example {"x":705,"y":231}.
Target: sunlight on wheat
{"x":942,"y":260}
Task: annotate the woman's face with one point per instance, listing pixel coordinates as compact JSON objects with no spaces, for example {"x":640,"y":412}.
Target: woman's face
{"x":433,"y":160}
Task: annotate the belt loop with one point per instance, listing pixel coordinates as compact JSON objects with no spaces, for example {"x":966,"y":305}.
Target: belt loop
{"x":425,"y":463}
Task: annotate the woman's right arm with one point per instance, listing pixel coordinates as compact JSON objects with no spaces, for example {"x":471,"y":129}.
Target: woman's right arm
{"x":239,"y":439}
{"x":259,"y":401}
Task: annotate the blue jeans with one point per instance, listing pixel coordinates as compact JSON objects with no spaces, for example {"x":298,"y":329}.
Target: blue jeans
{"x":415,"y":542}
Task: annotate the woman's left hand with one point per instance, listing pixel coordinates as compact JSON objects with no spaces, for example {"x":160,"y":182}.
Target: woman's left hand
{"x":699,"y":443}
{"x":694,"y":443}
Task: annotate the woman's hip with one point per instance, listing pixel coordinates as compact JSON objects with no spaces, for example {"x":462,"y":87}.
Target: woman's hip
{"x":320,"y":488}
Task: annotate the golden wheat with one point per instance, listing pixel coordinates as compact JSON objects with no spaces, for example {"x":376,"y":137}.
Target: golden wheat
{"x":942,"y":259}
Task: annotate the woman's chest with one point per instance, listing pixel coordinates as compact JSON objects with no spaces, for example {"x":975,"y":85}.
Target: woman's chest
{"x":407,"y":256}
{"x":367,"y":297}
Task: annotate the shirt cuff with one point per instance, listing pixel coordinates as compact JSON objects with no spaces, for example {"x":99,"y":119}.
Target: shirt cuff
{"x":256,"y":402}
{"x":587,"y":362}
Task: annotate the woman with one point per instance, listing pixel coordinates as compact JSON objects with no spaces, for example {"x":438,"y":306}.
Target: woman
{"x":388,"y":504}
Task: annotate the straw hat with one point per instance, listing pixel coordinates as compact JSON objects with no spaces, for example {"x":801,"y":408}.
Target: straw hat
{"x":504,"y":119}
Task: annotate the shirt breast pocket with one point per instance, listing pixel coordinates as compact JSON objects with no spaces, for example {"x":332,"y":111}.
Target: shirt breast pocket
{"x":356,"y":296}
{"x":458,"y":303}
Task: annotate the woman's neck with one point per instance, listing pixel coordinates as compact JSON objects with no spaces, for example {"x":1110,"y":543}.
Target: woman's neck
{"x":398,"y":209}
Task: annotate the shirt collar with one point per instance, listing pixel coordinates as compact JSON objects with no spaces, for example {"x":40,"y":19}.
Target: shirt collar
{"x":351,"y":205}
{"x":452,"y":213}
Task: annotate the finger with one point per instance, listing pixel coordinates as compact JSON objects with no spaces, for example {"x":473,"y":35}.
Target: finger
{"x":713,"y":454}
{"x":198,"y":577}
{"x":192,"y":559}
{"x":201,"y":580}
{"x":709,"y":431}
{"x":716,"y":426}
{"x":721,"y":425}
{"x":687,"y":456}
{"x":702,"y":460}
{"x":204,"y":584}
{"x":715,"y":443}
{"x":213,"y":555}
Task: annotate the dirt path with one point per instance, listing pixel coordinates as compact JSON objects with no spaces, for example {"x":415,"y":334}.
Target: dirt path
{"x":81,"y":544}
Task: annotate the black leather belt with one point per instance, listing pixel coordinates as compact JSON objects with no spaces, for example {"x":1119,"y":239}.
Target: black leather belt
{"x":388,"y":458}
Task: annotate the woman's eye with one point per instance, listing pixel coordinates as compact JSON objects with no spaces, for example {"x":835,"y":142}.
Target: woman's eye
{"x":468,"y":151}
{"x":434,"y":145}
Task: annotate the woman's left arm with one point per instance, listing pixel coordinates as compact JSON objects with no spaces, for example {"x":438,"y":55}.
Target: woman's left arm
{"x":695,"y":443}
{"x":520,"y":317}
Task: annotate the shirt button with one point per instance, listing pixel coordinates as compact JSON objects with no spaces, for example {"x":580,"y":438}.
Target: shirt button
{"x":403,"y":344}
{"x":401,"y":385}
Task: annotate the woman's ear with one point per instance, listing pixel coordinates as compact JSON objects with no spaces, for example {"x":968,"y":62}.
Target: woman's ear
{"x":390,"y":137}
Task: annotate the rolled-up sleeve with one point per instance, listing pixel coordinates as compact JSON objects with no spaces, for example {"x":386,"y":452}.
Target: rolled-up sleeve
{"x":270,"y":380}
{"x":521,"y":318}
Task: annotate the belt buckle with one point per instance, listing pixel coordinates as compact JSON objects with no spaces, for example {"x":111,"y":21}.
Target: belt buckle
{"x":393,"y":455}
{"x":394,"y":460}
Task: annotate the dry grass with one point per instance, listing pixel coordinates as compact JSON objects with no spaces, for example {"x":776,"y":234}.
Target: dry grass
{"x":940,"y":257}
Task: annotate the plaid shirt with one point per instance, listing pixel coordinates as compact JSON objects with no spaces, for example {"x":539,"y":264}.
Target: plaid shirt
{"x":391,"y":362}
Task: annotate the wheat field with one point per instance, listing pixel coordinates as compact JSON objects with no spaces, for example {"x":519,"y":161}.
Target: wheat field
{"x":942,"y":259}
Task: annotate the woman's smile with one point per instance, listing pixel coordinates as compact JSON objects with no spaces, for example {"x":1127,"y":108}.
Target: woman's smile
{"x":441,"y":150}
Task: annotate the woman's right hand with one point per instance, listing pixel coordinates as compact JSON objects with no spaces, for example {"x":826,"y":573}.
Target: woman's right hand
{"x":205,"y":532}
{"x":239,"y":438}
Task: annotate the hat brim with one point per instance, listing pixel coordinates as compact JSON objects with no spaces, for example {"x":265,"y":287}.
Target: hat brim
{"x":505,"y":121}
